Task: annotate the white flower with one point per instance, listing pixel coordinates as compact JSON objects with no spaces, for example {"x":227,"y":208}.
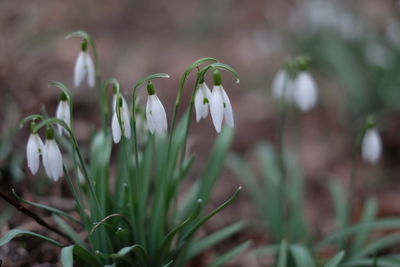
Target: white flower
{"x":84,"y":67}
{"x":201,"y":101}
{"x":33,"y":150}
{"x":155,"y":115}
{"x":371,"y":148}
{"x":63,"y":113}
{"x":52,"y":160}
{"x":220,"y":108}
{"x":125,"y":119}
{"x":282,"y":86}
{"x":305,"y":92}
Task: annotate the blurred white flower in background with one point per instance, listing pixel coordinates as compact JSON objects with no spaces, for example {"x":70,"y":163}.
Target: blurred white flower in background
{"x":84,"y":68}
{"x":305,"y":92}
{"x":63,"y":113}
{"x":371,"y":148}
{"x":300,"y":90}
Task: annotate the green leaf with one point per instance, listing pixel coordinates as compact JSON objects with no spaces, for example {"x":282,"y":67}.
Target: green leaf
{"x":369,"y":213}
{"x":228,"y":68}
{"x":15,"y":232}
{"x":201,"y":221}
{"x":149,"y":78}
{"x":69,"y":231}
{"x":339,"y":198}
{"x":212,"y":239}
{"x":387,"y":223}
{"x":100,"y":153}
{"x":45,"y":207}
{"x":335,"y":261}
{"x":283,"y":254}
{"x":76,"y":254}
{"x":379,"y":262}
{"x":221,"y":260}
{"x":301,"y":256}
{"x":272,"y":206}
{"x":215,"y":163}
{"x":377,"y":245}
{"x":139,"y":251}
{"x":165,"y":244}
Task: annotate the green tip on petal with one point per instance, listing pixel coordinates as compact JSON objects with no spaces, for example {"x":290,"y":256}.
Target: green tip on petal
{"x":49,"y":133}
{"x":84,"y":45}
{"x":63,"y":96}
{"x":150,"y":88}
{"x":217,"y":77}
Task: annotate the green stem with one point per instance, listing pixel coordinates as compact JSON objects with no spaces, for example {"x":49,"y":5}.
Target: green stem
{"x":282,"y":165}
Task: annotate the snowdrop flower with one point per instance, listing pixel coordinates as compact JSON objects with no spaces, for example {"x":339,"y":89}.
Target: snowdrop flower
{"x":63,"y":113}
{"x":52,"y":159}
{"x":84,"y":68}
{"x":201,"y":101}
{"x":33,"y":150}
{"x":305,"y":92}
{"x":155,"y":112}
{"x":116,"y":127}
{"x":220,"y":106}
{"x":371,"y":148}
{"x":282,"y":86}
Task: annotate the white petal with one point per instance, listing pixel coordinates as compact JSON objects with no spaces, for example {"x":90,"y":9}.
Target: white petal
{"x":52,"y":160}
{"x":305,"y":91}
{"x":115,"y":129}
{"x":228,"y":114}
{"x":63,"y":113}
{"x":198,"y":104}
{"x":79,"y":71}
{"x":158,"y":114}
{"x":217,"y":108}
{"x":149,"y":116}
{"x":33,"y":150}
{"x":371,"y":146}
{"x":126,"y":120}
{"x":207,"y":96}
{"x":91,"y":72}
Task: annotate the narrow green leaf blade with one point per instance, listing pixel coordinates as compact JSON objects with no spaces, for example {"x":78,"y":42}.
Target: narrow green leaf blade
{"x":15,"y":232}
{"x":335,"y":261}
{"x":221,"y":260}
{"x":301,"y":256}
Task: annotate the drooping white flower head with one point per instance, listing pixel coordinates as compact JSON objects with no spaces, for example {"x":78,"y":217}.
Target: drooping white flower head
{"x":52,"y":158}
{"x":282,"y":86}
{"x":305,"y":92}
{"x":33,"y":150}
{"x":220,"y":106}
{"x":371,"y":147}
{"x":84,"y":68}
{"x":201,"y":101}
{"x":125,"y":119}
{"x":63,"y":113}
{"x":155,"y":112}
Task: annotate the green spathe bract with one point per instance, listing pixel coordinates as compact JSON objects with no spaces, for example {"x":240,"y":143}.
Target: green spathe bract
{"x":131,"y":215}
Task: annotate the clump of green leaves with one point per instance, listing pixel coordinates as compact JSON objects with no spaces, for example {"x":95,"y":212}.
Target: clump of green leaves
{"x":133,"y":218}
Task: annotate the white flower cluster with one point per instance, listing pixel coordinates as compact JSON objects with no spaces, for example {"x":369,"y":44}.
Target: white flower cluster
{"x":218,"y":100}
{"x":300,"y":90}
{"x":51,"y":155}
